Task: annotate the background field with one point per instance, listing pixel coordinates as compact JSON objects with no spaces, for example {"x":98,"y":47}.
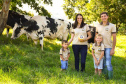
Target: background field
{"x":21,"y":62}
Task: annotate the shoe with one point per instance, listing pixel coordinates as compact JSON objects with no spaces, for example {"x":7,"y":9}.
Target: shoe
{"x":110,"y":74}
{"x":104,"y":71}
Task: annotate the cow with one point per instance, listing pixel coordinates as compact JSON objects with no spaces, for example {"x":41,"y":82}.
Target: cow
{"x":15,"y":18}
{"x":93,"y":31}
{"x":39,"y":27}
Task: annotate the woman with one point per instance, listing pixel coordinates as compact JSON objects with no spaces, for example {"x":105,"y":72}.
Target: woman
{"x":80,"y":29}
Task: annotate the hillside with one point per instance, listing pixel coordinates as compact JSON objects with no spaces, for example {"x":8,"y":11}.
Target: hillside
{"x":22,"y":62}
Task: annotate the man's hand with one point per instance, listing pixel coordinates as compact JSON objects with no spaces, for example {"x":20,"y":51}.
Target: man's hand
{"x":112,"y":52}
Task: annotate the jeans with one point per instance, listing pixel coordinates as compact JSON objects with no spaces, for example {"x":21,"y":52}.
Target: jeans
{"x":107,"y":59}
{"x":80,"y":49}
{"x":64,"y":64}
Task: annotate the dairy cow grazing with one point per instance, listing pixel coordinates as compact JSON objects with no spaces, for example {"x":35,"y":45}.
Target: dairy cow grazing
{"x":15,"y":18}
{"x":39,"y":27}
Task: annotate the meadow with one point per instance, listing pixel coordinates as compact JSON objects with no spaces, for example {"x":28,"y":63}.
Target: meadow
{"x":23,"y":62}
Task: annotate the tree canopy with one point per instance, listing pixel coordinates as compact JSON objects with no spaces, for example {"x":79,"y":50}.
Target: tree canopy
{"x":91,"y":10}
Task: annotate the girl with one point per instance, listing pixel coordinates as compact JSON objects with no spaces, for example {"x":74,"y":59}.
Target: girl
{"x":98,"y":47}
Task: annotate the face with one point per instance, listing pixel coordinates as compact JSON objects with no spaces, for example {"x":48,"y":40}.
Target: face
{"x":99,"y":39}
{"x":104,"y":17}
{"x":79,"y":19}
{"x":65,"y":45}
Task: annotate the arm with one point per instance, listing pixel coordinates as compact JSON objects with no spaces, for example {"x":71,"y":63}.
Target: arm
{"x":95,"y":36}
{"x":93,"y":55}
{"x":89,"y":35}
{"x":102,"y":54}
{"x":72,"y":36}
{"x":96,"y":61}
{"x":68,"y":56}
{"x":62,"y":57}
{"x":114,"y":43}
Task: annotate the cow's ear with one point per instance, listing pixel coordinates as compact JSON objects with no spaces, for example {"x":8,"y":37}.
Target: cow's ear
{"x":72,"y":24}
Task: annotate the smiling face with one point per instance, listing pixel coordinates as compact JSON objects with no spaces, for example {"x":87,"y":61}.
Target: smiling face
{"x":104,"y":17}
{"x":99,"y":39}
{"x":79,"y":19}
{"x":65,"y":45}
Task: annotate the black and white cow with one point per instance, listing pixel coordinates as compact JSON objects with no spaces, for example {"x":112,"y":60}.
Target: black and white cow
{"x":39,"y":27}
{"x":15,"y":18}
{"x":93,"y":31}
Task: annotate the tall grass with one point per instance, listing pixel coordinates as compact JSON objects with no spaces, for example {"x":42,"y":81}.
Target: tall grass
{"x":22,"y":62}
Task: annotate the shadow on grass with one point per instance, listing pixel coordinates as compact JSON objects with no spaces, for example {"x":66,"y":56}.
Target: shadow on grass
{"x":25,"y":62}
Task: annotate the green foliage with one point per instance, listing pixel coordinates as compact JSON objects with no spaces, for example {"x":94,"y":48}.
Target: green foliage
{"x":91,"y":10}
{"x":35,"y":4}
{"x":21,"y":62}
{"x":1,"y":3}
{"x":122,"y":29}
{"x":71,"y":7}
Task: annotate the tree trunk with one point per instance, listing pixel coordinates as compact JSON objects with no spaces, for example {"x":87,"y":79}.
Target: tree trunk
{"x":4,"y":14}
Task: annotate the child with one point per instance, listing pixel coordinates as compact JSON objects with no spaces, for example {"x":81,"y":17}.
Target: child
{"x":64,"y":55}
{"x":98,"y":47}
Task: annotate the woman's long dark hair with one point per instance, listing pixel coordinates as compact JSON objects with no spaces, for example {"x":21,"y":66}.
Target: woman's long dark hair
{"x":82,"y":23}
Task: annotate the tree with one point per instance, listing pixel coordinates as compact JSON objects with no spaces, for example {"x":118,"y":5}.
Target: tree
{"x":115,"y":8}
{"x":4,"y":14}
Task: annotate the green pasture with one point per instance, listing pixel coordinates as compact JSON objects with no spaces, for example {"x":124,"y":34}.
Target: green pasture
{"x":23,"y":62}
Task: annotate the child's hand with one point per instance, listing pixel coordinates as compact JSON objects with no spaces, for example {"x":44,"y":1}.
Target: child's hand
{"x":96,"y":62}
{"x":63,"y":59}
{"x":67,"y":59}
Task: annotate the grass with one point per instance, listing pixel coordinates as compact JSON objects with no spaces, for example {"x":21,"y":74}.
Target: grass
{"x":22,"y":62}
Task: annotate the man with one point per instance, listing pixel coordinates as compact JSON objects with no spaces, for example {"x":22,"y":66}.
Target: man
{"x":107,"y":30}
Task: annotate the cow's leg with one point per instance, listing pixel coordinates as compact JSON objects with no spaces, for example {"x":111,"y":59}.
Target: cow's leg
{"x":41,"y":37}
{"x":7,"y":31}
{"x":35,"y":41}
{"x":8,"y":27}
{"x":27,"y":36}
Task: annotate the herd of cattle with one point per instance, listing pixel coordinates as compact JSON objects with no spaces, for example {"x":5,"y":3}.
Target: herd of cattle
{"x":39,"y":27}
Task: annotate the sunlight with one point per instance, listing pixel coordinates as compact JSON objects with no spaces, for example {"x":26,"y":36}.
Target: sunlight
{"x":5,"y":79}
{"x":120,"y":52}
{"x":58,"y":42}
{"x":5,"y":31}
{"x":120,"y":49}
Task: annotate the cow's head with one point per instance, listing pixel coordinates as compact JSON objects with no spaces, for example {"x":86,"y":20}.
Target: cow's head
{"x":18,"y":30}
{"x":69,"y":27}
{"x":27,"y":27}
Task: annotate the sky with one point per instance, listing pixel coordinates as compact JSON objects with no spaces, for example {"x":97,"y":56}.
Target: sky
{"x":56,"y":10}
